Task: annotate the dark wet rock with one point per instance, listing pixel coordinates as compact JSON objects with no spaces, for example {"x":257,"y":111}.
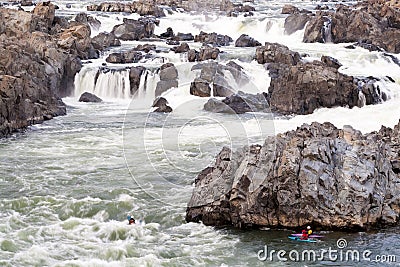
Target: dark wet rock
{"x":295,"y":22}
{"x":373,"y":22}
{"x":162,"y":105}
{"x":135,"y":75}
{"x":134,"y":29}
{"x":238,"y":103}
{"x":193,"y":55}
{"x":142,"y":7}
{"x":168,"y":34}
{"x":168,"y":78}
{"x":200,"y":87}
{"x":246,"y":41}
{"x":130,"y":56}
{"x":301,"y":87}
{"x":89,"y":98}
{"x":213,"y":39}
{"x":182,"y":48}
{"x":316,"y":175}
{"x":104,"y":40}
{"x":185,"y":36}
{"x":27,"y":3}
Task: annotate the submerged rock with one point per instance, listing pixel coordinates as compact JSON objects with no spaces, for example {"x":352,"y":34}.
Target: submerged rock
{"x":316,"y":175}
{"x":89,"y":98}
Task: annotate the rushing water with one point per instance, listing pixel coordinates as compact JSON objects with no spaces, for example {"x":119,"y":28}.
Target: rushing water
{"x":68,"y":184}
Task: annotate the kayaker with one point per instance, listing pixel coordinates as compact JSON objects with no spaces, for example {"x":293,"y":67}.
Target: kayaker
{"x":131,"y":220}
{"x":309,"y":231}
{"x":304,"y":235}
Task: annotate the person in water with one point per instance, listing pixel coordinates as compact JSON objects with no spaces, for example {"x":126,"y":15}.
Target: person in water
{"x":131,"y":220}
{"x":306,"y":233}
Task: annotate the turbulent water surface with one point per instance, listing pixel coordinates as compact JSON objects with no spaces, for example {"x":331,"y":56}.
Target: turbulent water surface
{"x":68,"y":184}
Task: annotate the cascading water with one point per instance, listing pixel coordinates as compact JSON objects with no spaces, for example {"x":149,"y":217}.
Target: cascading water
{"x":327,"y":30}
{"x":106,"y":83}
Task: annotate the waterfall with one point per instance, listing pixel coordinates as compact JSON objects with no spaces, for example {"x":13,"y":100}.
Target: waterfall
{"x":147,"y":86}
{"x":105,"y":83}
{"x":327,"y":30}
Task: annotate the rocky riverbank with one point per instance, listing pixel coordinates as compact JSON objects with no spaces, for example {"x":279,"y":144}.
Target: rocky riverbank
{"x":39,"y":57}
{"x":316,"y":175}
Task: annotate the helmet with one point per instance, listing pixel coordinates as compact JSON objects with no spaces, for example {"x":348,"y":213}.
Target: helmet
{"x":308,"y":227}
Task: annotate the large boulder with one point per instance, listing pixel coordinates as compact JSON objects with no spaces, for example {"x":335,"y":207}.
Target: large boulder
{"x":83,"y":18}
{"x":213,"y":39}
{"x":104,"y":40}
{"x":315,"y":175}
{"x":200,"y":87}
{"x":89,"y":98}
{"x":135,"y":29}
{"x":76,"y":40}
{"x":238,"y":103}
{"x":168,"y":78}
{"x":161,"y":105}
{"x":46,"y":13}
{"x":246,"y":41}
{"x":131,"y":56}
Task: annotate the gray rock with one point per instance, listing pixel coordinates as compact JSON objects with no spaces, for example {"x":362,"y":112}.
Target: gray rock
{"x":162,"y":105}
{"x":168,"y":78}
{"x":88,"y":97}
{"x":130,"y":56}
{"x":104,"y":40}
{"x":134,"y":29}
{"x":238,"y":103}
{"x":182,"y":48}
{"x":213,"y":39}
{"x":200,"y":87}
{"x":296,"y":22}
{"x":316,"y":175}
{"x":135,"y":74}
{"x":246,"y":41}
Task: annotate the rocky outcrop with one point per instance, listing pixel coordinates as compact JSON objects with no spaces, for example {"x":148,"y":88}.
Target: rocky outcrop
{"x":238,"y":103}
{"x":34,"y":68}
{"x":104,"y":40}
{"x":76,"y":39}
{"x":162,"y":105}
{"x":213,"y":39}
{"x":142,"y":7}
{"x":214,"y":75}
{"x":206,"y":53}
{"x":372,"y":22}
{"x":131,"y":56}
{"x":89,"y":98}
{"x":316,"y":175}
{"x":301,"y":87}
{"x":168,"y":78}
{"x":246,"y":41}
{"x":135,"y":29}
